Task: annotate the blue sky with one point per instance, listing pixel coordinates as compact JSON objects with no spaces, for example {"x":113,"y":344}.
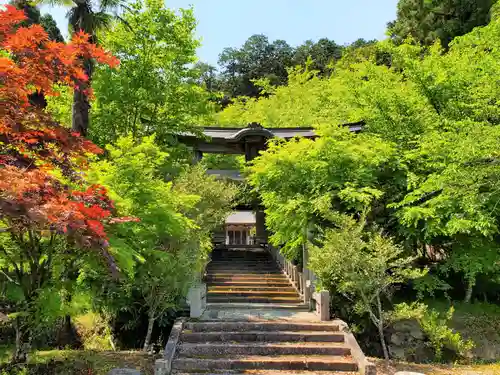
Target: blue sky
{"x":228,"y":23}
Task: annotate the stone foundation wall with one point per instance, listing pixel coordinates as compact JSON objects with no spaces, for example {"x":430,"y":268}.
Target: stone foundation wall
{"x":407,"y":342}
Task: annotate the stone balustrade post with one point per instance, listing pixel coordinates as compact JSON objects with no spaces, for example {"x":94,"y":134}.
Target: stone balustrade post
{"x":197,"y":297}
{"x":322,"y":302}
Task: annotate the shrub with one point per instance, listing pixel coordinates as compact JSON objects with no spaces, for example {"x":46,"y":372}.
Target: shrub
{"x":94,"y":332}
{"x":435,"y":326}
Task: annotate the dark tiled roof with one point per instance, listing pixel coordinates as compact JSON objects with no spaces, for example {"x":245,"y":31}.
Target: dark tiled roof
{"x":237,"y":133}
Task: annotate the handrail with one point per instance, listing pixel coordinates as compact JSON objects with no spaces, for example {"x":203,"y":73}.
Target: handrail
{"x":290,"y":270}
{"x":304,"y":282}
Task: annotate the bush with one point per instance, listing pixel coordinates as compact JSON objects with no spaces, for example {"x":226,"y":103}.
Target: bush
{"x":436,"y":328}
{"x":94,"y":332}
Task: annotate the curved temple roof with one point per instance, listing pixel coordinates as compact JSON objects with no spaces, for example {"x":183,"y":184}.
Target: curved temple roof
{"x":236,"y":134}
{"x":246,"y":140}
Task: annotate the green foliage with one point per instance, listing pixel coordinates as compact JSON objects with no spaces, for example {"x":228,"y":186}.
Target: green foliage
{"x":155,"y":89}
{"x":215,"y":201}
{"x":94,"y":331}
{"x":364,"y":267}
{"x":430,"y":20}
{"x":243,"y":70}
{"x":60,"y":106}
{"x":321,"y":53}
{"x":168,"y":258}
{"x":429,"y":285}
{"x":221,"y":161}
{"x":425,"y":167}
{"x":289,"y":106}
{"x":435,"y":325}
{"x":302,"y":181}
{"x":172,"y":239}
{"x":256,"y":59}
{"x":34,"y":17}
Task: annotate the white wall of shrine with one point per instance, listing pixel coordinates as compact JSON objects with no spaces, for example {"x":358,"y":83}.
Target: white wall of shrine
{"x":240,"y":234}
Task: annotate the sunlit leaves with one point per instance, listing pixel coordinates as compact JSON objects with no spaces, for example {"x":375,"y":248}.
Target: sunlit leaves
{"x":155,"y":88}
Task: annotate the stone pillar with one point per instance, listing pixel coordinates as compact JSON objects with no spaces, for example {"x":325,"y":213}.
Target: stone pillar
{"x":197,"y":297}
{"x":306,"y":282}
{"x":322,"y":300}
{"x":251,"y":151}
{"x":260,"y":227}
{"x":198,"y":155}
{"x":306,"y":274}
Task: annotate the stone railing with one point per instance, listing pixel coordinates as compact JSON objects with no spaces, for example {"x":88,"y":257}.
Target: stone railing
{"x":197,"y":299}
{"x":290,"y":270}
{"x":304,"y":282}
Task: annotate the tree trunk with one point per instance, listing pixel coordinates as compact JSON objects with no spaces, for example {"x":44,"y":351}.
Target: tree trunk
{"x":81,"y":104}
{"x":380,"y":326}
{"x":147,"y":341}
{"x":471,"y":281}
{"x":19,"y":355}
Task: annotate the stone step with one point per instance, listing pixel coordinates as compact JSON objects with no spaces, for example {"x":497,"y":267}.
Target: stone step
{"x":298,"y":307}
{"x":265,"y":287}
{"x":239,"y":269}
{"x":221,"y":326}
{"x":251,"y":258}
{"x":253,"y":299}
{"x":252,"y":293}
{"x":248,"y":276}
{"x":262,"y":336}
{"x":243,"y":261}
{"x":230,"y":262}
{"x":321,"y":363}
{"x":263,"y":372}
{"x":219,"y":350}
{"x":241,"y":272}
{"x":257,"y":279}
{"x":249,"y":284}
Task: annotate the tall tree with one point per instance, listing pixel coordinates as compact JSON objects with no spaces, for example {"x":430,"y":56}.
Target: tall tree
{"x":156,"y":89}
{"x":47,"y":210}
{"x":89,"y":17}
{"x":256,"y":59}
{"x":176,"y":219}
{"x":207,"y":76}
{"x":322,"y":53}
{"x":438,"y":109}
{"x":33,"y":16}
{"x":429,"y":20}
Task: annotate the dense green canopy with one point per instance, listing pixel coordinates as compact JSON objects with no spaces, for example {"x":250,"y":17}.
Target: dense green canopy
{"x":427,"y":21}
{"x":425,"y":168}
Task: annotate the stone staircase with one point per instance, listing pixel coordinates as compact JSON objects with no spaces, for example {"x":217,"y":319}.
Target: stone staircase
{"x":262,"y":347}
{"x":248,"y":277}
{"x":256,"y":323}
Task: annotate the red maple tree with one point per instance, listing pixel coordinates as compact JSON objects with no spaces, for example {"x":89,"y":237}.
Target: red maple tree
{"x":43,"y":194}
{"x":34,"y":150}
{"x":44,"y":198}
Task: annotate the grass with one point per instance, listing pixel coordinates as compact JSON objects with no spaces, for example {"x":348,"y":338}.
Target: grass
{"x":5,"y":353}
{"x":88,"y":362}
